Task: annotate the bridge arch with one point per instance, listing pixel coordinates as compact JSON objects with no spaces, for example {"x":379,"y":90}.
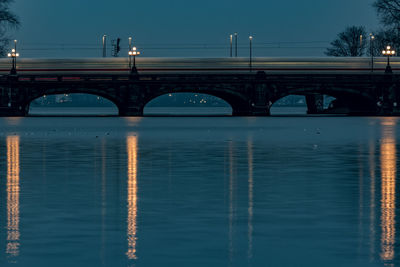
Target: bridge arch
{"x":237,"y":101}
{"x":346,"y":100}
{"x":199,"y":104}
{"x":42,"y":93}
{"x":289,"y":105}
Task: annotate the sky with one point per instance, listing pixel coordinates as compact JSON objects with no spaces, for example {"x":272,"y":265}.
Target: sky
{"x":169,"y":28}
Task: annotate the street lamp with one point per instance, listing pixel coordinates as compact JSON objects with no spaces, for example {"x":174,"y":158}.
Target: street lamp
{"x":133,"y":53}
{"x":13,"y":55}
{"x":230,"y":42}
{"x":251,"y":50}
{"x":104,"y":45}
{"x":371,"y":48}
{"x":388,"y":52}
{"x":130,"y":48}
{"x":236,"y":43}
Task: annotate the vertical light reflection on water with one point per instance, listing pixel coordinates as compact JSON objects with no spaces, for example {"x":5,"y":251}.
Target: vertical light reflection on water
{"x":372,"y":166}
{"x":231,"y":199}
{"x":13,"y":121}
{"x":388,"y":173}
{"x":361,"y":198}
{"x":13,"y":234}
{"x":131,"y":144}
{"x":251,"y":203}
{"x":103,"y":198}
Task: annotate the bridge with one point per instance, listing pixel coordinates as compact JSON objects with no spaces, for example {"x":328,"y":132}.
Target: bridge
{"x":249,"y":94}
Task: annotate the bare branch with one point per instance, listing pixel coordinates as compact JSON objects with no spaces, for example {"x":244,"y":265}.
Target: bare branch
{"x":350,"y":43}
{"x":388,"y":11}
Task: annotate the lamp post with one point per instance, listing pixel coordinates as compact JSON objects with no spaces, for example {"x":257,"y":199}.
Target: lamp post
{"x":230,"y":42}
{"x":130,"y":48}
{"x":251,"y":51}
{"x":388,"y":52}
{"x":13,"y":55}
{"x":133,"y":53}
{"x":104,"y":45}
{"x":371,"y":50}
{"x":236,"y":44}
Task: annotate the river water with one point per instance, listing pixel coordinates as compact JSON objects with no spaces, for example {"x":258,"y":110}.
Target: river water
{"x":199,"y":191}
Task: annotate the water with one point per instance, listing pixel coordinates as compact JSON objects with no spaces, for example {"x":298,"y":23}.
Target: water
{"x":155,"y":111}
{"x":73,"y":111}
{"x":182,"y":191}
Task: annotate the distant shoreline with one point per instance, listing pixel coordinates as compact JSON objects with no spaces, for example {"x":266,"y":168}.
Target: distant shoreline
{"x":65,"y":105}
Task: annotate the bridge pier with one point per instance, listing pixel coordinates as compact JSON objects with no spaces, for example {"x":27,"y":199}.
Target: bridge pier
{"x":257,"y":103}
{"x":252,"y":110}
{"x":133,"y":100}
{"x":387,"y":98}
{"x":260,"y":111}
{"x":396,"y":101}
{"x":315,"y":104}
{"x":12,"y":100}
{"x":130,"y":111}
{"x":13,"y":112}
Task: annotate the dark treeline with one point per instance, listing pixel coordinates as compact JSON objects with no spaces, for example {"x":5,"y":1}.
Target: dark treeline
{"x":8,"y":20}
{"x":169,"y":100}
{"x":354,"y":41}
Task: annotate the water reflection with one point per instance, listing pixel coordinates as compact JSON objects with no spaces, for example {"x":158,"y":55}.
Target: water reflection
{"x":132,"y":196}
{"x":361,"y":197}
{"x":388,"y":173}
{"x":251,"y":204}
{"x":372,"y":204}
{"x":265,"y":181}
{"x":132,"y":121}
{"x":13,"y":234}
{"x":13,"y":121}
{"x":231,"y":199}
{"x":103,"y":197}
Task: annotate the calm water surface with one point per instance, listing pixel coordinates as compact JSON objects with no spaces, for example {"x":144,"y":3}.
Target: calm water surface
{"x":221,"y":191}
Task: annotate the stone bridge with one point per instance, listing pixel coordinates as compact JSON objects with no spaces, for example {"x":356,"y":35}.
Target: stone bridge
{"x":250,"y":94}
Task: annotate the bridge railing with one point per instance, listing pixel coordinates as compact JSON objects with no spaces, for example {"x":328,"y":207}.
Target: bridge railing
{"x":249,"y":77}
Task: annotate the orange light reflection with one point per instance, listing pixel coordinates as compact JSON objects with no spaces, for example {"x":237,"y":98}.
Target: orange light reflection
{"x":13,"y":233}
{"x":251,"y":203}
{"x":132,"y":196}
{"x":388,"y":190}
{"x":372,"y":231}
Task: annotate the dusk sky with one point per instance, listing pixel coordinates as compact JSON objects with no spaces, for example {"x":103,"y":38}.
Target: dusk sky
{"x":186,"y":28}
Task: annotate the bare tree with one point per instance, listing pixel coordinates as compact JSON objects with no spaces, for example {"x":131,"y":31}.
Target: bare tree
{"x":388,"y":12}
{"x":382,"y":39}
{"x":349,"y":43}
{"x":8,"y":20}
